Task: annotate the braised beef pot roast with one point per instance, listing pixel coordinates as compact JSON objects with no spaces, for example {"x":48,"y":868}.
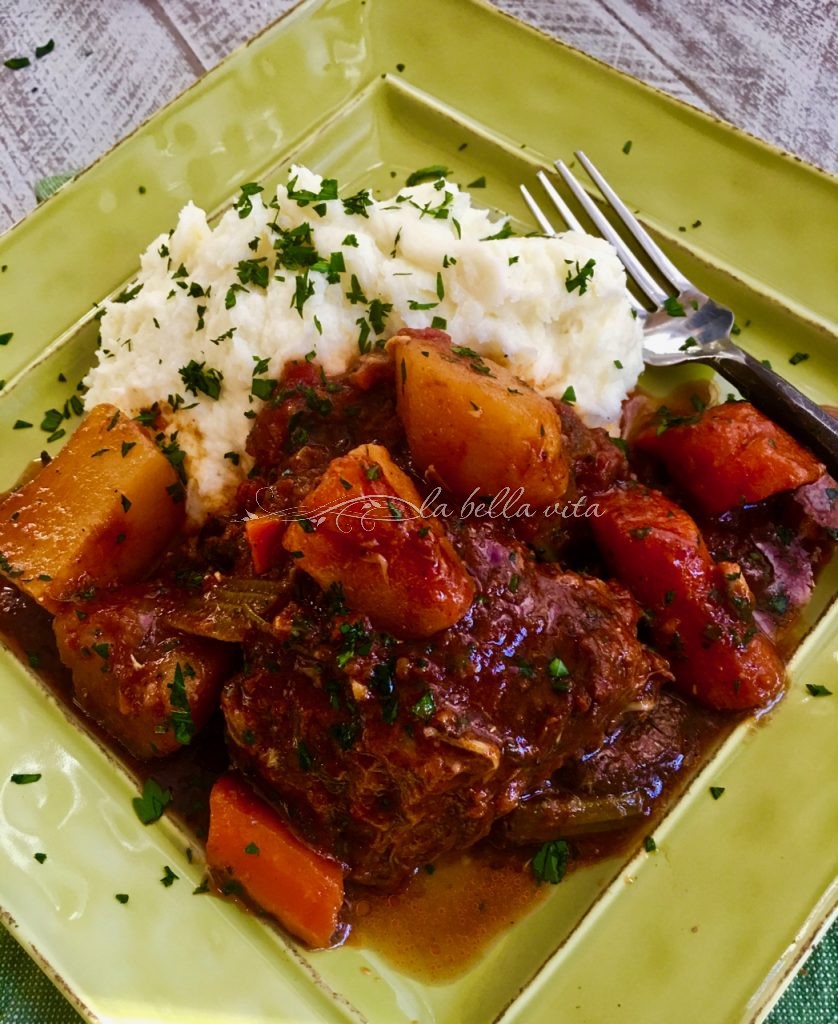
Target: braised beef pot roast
{"x":387,"y":751}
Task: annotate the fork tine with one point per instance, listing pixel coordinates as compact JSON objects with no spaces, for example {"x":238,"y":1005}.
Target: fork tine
{"x":642,"y":277}
{"x":537,"y":212}
{"x":559,"y":203}
{"x":658,"y":257}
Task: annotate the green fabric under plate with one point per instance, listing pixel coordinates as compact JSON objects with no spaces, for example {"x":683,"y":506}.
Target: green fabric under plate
{"x":27,"y":996}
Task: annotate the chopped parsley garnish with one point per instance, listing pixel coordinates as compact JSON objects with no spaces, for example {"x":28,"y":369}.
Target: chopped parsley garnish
{"x":557,"y":669}
{"x":121,"y":897}
{"x":430,"y":173}
{"x":378,"y":313}
{"x":425,"y":706}
{"x":357,"y":204}
{"x":255,"y":271}
{"x":627,"y":147}
{"x":244,"y":204}
{"x":382,"y":683}
{"x":818,"y":690}
{"x":252,"y":849}
{"x":505,"y":232}
{"x":580,"y":279}
{"x":673,"y":307}
{"x":305,"y":197}
{"x":356,"y":295}
{"x":798,"y":357}
{"x":332,"y":268}
{"x":364,"y":344}
{"x":6,"y":338}
{"x":198,"y":379}
{"x":20,"y":425}
{"x":778,"y":603}
{"x":303,"y":290}
{"x":716,"y":791}
{"x":25,"y":778}
{"x":16,"y":63}
{"x":262,"y":387}
{"x":150,"y":806}
{"x":174,"y":453}
{"x":181,"y":716}
{"x":478,"y":182}
{"x":230,"y":297}
{"x":649,"y":844}
{"x":550,"y":862}
{"x":356,"y":641}
{"x":169,"y":877}
{"x":52,"y":420}
{"x":40,"y":857}
{"x":569,"y":395}
{"x":129,"y":294}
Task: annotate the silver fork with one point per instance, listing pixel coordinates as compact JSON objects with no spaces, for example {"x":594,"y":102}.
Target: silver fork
{"x":687,"y":326}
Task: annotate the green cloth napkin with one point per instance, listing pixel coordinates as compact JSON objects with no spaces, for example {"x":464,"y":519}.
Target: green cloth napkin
{"x":27,"y":996}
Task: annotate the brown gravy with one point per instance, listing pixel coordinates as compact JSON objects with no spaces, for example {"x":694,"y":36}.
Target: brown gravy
{"x":442,"y":921}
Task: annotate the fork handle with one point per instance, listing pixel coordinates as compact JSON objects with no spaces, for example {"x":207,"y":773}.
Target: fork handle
{"x":804,"y":419}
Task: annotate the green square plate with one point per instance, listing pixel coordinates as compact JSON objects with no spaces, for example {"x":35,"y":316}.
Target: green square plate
{"x":706,"y":929}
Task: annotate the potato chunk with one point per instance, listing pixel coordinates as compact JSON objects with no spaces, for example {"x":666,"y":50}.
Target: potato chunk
{"x":360,"y":527}
{"x":99,"y":513}
{"x":149,"y":686}
{"x":474,"y":427}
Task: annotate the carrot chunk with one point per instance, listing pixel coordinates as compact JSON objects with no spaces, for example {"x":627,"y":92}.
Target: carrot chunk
{"x":360,"y":527}
{"x":249,"y":843}
{"x":264,"y":535}
{"x":699,"y":612}
{"x":731,"y":455}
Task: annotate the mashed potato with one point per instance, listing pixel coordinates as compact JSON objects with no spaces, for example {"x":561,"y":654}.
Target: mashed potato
{"x":216,"y":310}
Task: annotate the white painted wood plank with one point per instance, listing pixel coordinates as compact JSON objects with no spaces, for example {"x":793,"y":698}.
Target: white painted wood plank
{"x":769,"y":67}
{"x":766,"y":66}
{"x":591,"y":27}
{"x":215,"y":29}
{"x":113,"y":65}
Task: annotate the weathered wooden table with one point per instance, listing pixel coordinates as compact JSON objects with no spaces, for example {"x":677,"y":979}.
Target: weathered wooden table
{"x":768,"y":66}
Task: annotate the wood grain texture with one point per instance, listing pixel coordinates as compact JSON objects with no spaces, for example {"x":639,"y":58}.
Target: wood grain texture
{"x":215,"y":29}
{"x":113,"y":65}
{"x":768,"y":66}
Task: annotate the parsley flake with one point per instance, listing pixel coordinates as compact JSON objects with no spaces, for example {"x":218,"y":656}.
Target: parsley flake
{"x":25,"y":778}
{"x":580,"y":279}
{"x":197,"y":379}
{"x":150,"y":806}
{"x":550,"y":862}
{"x":430,"y":173}
{"x":181,"y":716}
